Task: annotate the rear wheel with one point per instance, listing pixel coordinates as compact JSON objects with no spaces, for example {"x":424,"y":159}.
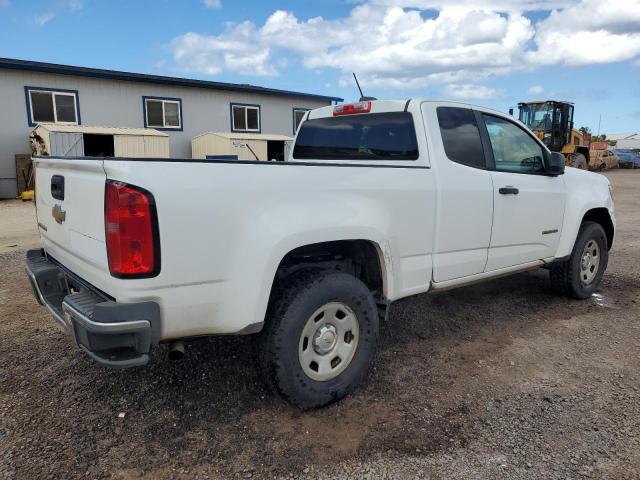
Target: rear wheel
{"x":578,"y":160}
{"x":581,"y":275}
{"x":319,"y":338}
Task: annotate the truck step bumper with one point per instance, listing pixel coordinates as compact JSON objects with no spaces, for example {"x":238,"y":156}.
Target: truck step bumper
{"x":116,"y":335}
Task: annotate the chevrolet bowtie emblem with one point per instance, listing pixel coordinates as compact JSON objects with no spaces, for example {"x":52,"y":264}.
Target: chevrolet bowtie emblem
{"x":59,"y":213}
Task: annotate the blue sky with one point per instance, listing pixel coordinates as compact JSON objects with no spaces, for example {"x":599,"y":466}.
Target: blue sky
{"x":492,"y":53}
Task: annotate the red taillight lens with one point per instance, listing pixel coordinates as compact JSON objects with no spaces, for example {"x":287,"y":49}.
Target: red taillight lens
{"x":351,"y":108}
{"x":131,"y":231}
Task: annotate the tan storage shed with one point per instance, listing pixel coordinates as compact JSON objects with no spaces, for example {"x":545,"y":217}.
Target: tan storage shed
{"x":85,"y":141}
{"x":240,"y":146}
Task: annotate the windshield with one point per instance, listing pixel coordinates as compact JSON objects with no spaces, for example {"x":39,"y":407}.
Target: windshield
{"x":537,"y":116}
{"x":370,"y":136}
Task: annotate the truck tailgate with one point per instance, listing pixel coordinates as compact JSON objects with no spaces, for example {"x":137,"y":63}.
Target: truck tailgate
{"x":70,"y":212}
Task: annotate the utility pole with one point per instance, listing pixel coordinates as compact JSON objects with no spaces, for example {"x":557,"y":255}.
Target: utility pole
{"x":599,"y":120}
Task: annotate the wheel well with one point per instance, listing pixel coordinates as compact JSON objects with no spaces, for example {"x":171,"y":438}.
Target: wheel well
{"x":601,"y":216}
{"x":360,"y":258}
{"x":584,"y":151}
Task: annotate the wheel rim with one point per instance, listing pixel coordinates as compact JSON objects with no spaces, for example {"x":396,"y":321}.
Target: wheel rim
{"x":329,"y":341}
{"x":589,"y":262}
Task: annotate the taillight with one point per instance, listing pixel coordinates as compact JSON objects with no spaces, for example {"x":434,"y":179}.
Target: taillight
{"x":131,"y":229}
{"x":351,"y":108}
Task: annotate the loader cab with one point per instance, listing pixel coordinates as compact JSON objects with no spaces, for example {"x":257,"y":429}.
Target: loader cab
{"x":551,"y":121}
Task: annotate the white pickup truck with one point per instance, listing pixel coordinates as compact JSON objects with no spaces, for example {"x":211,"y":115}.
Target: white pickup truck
{"x":379,"y":200}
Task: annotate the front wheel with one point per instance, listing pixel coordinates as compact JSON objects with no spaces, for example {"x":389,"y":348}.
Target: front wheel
{"x":581,"y":275}
{"x":319,"y":337}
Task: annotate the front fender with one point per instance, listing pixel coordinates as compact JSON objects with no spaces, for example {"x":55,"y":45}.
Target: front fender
{"x":585,"y":191}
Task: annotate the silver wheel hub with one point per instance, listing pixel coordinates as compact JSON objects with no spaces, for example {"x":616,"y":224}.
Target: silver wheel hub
{"x":590,"y":262}
{"x":325,"y":339}
{"x":328,"y":341}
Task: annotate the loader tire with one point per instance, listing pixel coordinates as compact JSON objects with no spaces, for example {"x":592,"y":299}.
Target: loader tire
{"x":578,"y":161}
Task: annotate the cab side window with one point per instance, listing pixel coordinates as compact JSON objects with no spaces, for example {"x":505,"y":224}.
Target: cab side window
{"x":514,"y":150}
{"x":460,"y":136}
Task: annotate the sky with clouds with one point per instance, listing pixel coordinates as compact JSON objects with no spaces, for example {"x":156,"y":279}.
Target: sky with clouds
{"x":492,"y":52}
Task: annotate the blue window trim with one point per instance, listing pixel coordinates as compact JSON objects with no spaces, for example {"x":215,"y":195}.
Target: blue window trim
{"x":231,"y":105}
{"x":293,"y":115}
{"x":29,"y":88}
{"x":168,"y":129}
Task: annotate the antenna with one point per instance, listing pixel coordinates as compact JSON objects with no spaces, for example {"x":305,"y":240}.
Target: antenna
{"x":358,"y":85}
{"x":362,"y":97}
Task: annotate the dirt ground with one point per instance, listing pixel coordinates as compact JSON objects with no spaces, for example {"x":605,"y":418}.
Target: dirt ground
{"x":499,"y":380}
{"x":18,"y":229}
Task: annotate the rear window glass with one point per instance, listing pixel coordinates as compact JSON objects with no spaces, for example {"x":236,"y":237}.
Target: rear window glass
{"x":460,"y":136}
{"x":370,"y":136}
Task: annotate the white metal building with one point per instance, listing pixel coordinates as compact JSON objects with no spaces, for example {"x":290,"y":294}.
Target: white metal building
{"x":35,"y":92}
{"x":629,"y":141}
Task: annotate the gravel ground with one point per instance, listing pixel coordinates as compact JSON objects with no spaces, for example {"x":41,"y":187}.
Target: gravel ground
{"x":500,"y":380}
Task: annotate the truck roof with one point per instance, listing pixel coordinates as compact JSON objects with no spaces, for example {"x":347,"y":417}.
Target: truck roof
{"x":394,"y":105}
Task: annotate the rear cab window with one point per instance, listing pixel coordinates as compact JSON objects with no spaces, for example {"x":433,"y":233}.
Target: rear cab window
{"x":461,"y":136}
{"x":368,"y":136}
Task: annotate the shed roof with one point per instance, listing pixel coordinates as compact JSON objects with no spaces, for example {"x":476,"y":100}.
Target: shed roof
{"x":15,"y":64}
{"x":138,"y":132}
{"x":248,"y":136}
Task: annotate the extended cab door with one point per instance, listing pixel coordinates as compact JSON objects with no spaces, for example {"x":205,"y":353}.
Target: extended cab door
{"x":528,"y":204}
{"x":464,"y":205}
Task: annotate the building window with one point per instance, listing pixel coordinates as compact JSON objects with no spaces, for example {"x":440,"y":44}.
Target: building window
{"x":298,"y":115}
{"x":52,"y":106}
{"x":163,"y":113}
{"x":245,"y":118}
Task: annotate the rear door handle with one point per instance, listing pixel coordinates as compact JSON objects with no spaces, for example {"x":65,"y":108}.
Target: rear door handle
{"x":508,"y":191}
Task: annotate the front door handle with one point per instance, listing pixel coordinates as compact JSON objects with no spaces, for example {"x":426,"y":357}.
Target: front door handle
{"x":508,"y":191}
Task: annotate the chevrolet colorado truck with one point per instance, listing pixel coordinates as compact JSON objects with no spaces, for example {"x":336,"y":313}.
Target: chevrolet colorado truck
{"x":379,"y":200}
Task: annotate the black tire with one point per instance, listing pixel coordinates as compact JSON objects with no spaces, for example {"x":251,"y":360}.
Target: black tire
{"x":292,"y":304}
{"x":566,"y":275}
{"x":578,"y":160}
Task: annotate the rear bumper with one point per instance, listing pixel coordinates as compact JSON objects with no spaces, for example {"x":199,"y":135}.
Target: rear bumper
{"x":116,"y":335}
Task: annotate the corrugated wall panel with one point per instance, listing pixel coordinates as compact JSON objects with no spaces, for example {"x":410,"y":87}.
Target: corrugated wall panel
{"x":141,"y":146}
{"x":156,"y":147}
{"x":128,"y":146}
{"x":66,"y":144}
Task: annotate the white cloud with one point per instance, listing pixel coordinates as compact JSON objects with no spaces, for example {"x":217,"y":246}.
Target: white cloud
{"x":395,"y":44}
{"x":472,"y":92}
{"x":233,"y":51}
{"x":387,"y":46}
{"x":490,"y":5}
{"x":43,"y":18}
{"x":212,"y":3}
{"x":71,"y":6}
{"x":590,"y":32}
{"x":535,"y":90}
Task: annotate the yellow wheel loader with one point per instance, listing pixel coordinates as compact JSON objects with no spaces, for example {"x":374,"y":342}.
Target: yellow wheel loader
{"x":552,"y":122}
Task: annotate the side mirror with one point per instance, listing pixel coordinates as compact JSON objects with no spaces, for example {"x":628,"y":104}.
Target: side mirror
{"x":555,"y":165}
